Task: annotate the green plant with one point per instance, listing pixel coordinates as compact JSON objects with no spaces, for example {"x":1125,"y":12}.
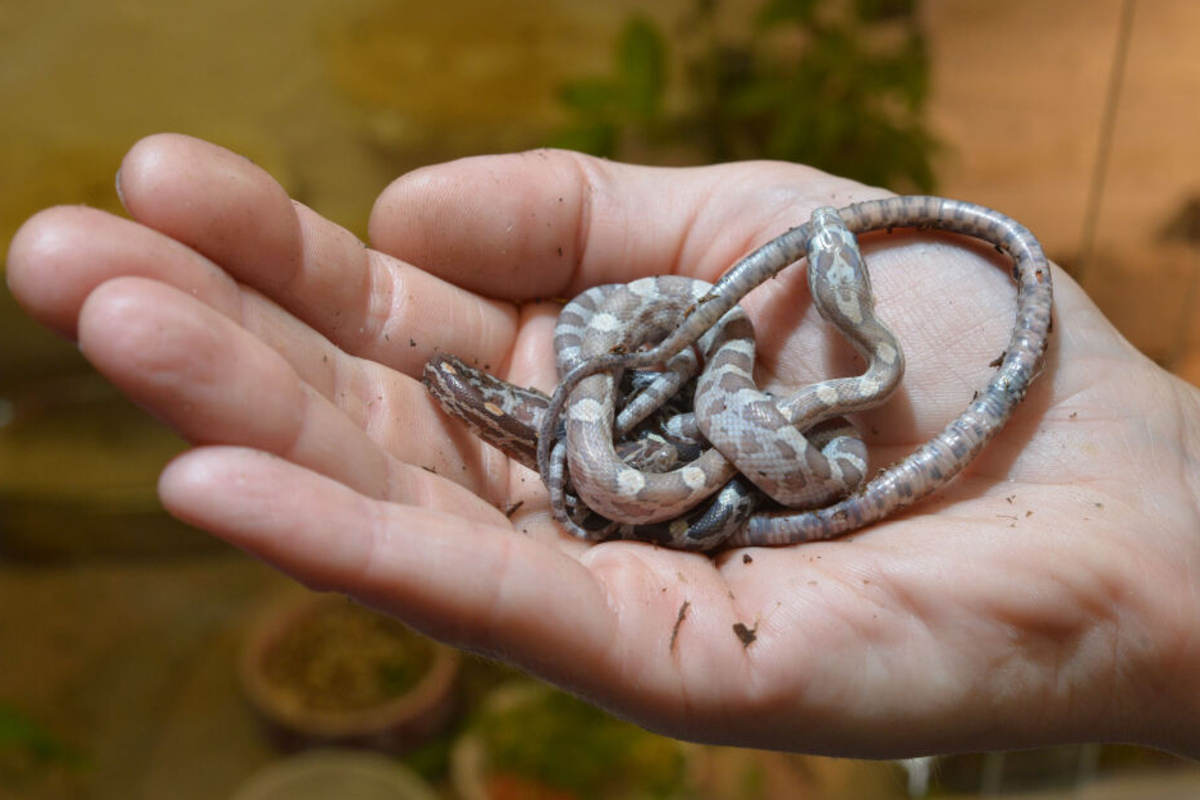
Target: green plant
{"x":838,"y":85}
{"x":27,"y":741}
{"x":627,"y":103}
{"x":563,"y":743}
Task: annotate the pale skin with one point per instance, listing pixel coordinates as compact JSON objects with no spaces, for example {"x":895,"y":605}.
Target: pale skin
{"x":1047,"y":596}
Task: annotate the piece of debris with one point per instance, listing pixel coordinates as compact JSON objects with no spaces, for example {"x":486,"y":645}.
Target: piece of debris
{"x":745,"y":635}
{"x":683,"y":609}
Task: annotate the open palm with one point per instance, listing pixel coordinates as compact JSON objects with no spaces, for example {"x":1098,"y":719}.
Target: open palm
{"x":1044,"y":597}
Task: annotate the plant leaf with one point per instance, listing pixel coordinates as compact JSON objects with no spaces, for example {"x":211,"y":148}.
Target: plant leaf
{"x":641,"y":70}
{"x":19,"y":731}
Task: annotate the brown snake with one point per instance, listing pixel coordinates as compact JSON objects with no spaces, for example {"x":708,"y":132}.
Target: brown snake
{"x":625,"y":484}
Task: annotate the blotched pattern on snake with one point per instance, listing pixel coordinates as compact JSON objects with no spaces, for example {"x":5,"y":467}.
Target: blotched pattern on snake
{"x":796,"y":450}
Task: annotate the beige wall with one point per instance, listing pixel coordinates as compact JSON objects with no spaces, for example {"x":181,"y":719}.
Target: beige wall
{"x":1020,"y":89}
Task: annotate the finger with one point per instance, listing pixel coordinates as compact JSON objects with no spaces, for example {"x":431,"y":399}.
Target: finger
{"x":216,"y":384}
{"x":372,"y":305}
{"x":473,"y":584}
{"x":61,"y":254}
{"x":552,"y":223}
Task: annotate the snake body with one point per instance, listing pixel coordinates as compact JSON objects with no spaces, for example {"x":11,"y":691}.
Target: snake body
{"x":664,"y":456}
{"x":630,"y":315}
{"x":758,"y":433}
{"x":766,"y":439}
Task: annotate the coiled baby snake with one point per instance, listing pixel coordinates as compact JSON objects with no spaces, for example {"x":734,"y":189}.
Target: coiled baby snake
{"x":743,"y":468}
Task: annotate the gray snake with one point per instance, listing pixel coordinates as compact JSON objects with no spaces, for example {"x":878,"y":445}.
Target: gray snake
{"x":649,"y":496}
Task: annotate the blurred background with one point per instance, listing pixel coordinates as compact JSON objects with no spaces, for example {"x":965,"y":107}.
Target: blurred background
{"x":140,"y":658}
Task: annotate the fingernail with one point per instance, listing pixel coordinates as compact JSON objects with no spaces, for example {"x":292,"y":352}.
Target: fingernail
{"x":120,"y":196}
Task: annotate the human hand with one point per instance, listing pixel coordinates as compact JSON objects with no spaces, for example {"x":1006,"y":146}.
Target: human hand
{"x":1044,"y":597}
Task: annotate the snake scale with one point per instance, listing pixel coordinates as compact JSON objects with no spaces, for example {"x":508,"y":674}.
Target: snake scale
{"x":696,"y":457}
